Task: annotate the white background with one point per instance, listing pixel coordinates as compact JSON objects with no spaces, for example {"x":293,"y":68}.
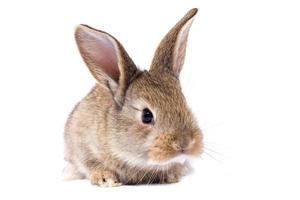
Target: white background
{"x":241,"y":78}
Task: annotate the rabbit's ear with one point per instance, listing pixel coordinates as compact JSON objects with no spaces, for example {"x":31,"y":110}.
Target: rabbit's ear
{"x":106,"y":59}
{"x":171,"y":51}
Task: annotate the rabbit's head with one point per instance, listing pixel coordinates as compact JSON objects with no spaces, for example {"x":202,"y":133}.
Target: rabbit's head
{"x":149,"y":122}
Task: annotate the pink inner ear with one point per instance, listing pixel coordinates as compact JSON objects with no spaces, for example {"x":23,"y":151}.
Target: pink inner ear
{"x":101,"y":51}
{"x":180,"y":47}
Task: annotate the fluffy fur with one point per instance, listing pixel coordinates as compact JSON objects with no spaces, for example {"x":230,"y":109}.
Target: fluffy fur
{"x":105,"y":139}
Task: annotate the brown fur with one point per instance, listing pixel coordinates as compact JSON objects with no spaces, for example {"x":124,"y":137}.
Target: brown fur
{"x":105,"y":138}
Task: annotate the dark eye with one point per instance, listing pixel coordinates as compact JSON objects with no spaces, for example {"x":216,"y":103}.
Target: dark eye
{"x":147,"y":116}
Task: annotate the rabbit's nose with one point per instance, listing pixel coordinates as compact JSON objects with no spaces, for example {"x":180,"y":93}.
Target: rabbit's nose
{"x":183,"y":146}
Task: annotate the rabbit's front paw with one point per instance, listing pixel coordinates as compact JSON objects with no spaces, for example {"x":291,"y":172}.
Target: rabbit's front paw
{"x":104,"y":178}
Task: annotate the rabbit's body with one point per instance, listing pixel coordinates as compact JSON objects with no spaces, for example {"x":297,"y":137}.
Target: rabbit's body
{"x":86,"y":136}
{"x":134,"y":126}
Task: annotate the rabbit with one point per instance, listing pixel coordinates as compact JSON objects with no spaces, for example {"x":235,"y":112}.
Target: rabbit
{"x":134,"y":126}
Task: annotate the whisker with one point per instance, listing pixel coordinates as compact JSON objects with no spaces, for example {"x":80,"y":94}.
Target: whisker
{"x":150,"y":177}
{"x":212,"y":151}
{"x":161,"y":181}
{"x":156,"y":173}
{"x":214,"y":125}
{"x":208,"y":154}
{"x":142,"y":177}
{"x":167,"y":172}
{"x":211,"y":143}
{"x":163,"y":176}
{"x":132,"y":178}
{"x":132,"y":167}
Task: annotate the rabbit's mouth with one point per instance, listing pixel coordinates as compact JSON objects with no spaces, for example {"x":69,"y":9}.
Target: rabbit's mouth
{"x":179,"y":159}
{"x":144,"y":161}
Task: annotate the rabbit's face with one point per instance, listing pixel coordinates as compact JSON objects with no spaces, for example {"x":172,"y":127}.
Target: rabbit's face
{"x":155,"y":126}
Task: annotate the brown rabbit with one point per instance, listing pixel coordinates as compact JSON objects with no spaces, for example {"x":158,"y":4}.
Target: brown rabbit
{"x":134,"y":126}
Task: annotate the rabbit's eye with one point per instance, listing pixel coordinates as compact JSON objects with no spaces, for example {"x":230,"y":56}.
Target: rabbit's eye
{"x":147,"y":116}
